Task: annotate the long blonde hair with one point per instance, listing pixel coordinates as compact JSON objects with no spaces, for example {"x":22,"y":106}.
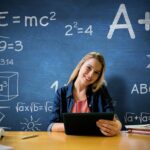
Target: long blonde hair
{"x":100,"y":81}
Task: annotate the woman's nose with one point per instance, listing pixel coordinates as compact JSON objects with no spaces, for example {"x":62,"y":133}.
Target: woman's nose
{"x":91,"y":73}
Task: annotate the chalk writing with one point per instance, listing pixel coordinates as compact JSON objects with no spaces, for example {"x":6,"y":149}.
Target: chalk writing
{"x":145,"y":21}
{"x":34,"y":107}
{"x":54,"y":85}
{"x":6,"y":62}
{"x":75,"y":29}
{"x":31,"y":21}
{"x":122,"y":11}
{"x":7,"y":81}
{"x":31,"y":124}
{"x":2,"y":116}
{"x":148,"y":66}
{"x":143,"y":117}
{"x":140,"y":89}
{"x":5,"y":45}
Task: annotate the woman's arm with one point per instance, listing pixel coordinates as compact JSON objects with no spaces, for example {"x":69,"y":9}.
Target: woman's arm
{"x":55,"y":114}
{"x":108,"y":127}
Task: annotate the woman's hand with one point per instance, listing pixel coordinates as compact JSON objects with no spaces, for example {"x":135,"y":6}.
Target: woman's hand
{"x":58,"y":127}
{"x":109,"y":128}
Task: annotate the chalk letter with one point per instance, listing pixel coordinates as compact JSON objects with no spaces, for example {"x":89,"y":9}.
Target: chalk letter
{"x":115,"y":25}
{"x":41,"y":21}
{"x":143,"y":88}
{"x":135,"y":89}
{"x":32,"y":20}
{"x":2,"y":18}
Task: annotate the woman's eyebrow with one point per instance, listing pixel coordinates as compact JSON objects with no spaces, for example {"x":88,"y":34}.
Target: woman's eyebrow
{"x":93,"y":68}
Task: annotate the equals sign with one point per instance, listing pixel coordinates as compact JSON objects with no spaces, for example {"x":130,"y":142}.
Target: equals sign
{"x":80,"y":30}
{"x":10,"y":46}
{"x":40,"y":107}
{"x":16,"y":19}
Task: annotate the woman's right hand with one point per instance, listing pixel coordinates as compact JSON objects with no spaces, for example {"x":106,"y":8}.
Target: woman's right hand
{"x":58,"y":127}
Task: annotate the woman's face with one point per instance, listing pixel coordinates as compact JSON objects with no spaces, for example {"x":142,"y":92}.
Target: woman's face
{"x":89,"y":71}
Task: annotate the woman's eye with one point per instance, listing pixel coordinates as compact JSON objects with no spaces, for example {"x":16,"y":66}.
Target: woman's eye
{"x":88,"y":67}
{"x":97,"y":73}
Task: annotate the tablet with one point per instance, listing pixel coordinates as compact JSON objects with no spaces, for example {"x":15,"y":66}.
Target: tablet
{"x":84,"y":123}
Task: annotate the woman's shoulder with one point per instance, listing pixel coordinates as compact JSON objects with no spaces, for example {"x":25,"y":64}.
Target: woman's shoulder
{"x":65,"y":89}
{"x":102,"y":89}
{"x":62,"y":89}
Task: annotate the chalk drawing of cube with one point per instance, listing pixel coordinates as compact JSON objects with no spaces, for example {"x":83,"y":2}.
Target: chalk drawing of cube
{"x":8,"y":85}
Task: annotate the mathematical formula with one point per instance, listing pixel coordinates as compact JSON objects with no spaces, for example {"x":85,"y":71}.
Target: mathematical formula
{"x":3,"y":85}
{"x":6,"y":45}
{"x":75,"y":27}
{"x":34,"y":107}
{"x":31,"y":21}
{"x":6,"y":62}
{"x":143,"y":117}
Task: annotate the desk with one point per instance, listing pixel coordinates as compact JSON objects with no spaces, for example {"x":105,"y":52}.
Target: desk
{"x":61,"y":141}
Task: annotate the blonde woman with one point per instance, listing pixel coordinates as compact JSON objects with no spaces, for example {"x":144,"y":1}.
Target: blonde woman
{"x":85,"y":92}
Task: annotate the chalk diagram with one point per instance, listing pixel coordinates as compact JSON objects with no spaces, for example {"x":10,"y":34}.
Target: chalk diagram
{"x":2,"y":116}
{"x":31,"y":124}
{"x":8,"y":89}
{"x":8,"y":85}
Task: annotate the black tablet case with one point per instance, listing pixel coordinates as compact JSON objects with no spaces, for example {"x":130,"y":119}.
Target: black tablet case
{"x":84,"y":123}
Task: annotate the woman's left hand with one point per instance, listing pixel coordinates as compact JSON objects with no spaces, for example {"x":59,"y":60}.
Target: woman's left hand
{"x":109,"y":128}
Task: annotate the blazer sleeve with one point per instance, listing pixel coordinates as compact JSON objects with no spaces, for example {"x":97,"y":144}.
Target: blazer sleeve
{"x":55,"y":114}
{"x":107,"y":100}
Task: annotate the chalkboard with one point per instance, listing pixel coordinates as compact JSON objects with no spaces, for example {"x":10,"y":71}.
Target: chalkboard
{"x":42,"y":41}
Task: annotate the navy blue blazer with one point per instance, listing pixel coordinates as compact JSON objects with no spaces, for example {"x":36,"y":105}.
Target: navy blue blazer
{"x":99,"y":101}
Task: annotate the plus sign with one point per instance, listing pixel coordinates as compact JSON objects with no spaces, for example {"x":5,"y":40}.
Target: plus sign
{"x":145,"y":21}
{"x":136,"y":117}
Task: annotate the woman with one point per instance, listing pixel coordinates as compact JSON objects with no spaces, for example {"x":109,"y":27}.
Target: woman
{"x":85,"y":92}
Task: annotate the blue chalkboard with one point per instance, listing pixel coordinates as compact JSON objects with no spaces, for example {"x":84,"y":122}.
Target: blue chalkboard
{"x":42,"y":41}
